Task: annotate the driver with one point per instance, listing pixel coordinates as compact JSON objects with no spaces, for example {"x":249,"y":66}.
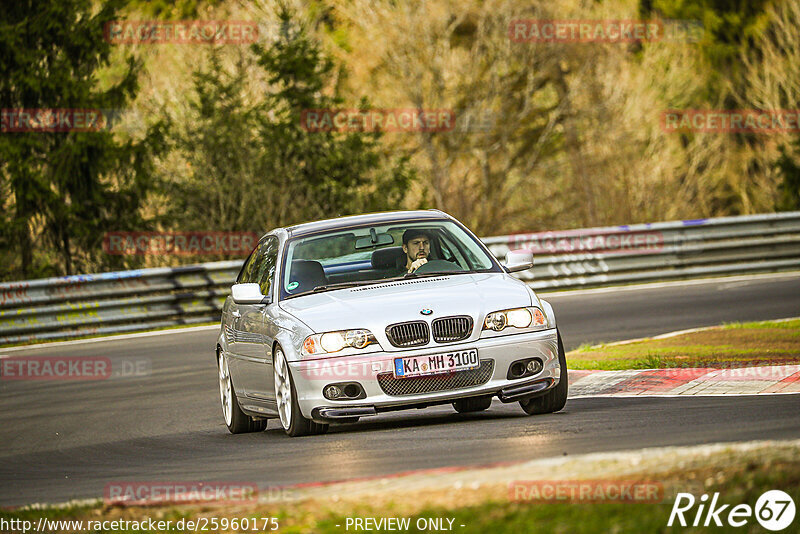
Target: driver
{"x":417,"y":249}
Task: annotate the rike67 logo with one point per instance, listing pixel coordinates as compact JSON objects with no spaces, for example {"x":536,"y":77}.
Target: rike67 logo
{"x":774,"y":510}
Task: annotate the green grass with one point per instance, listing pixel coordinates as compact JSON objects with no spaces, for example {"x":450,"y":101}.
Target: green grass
{"x":792,"y":324}
{"x":505,"y":517}
{"x":740,"y":482}
{"x":729,"y":345}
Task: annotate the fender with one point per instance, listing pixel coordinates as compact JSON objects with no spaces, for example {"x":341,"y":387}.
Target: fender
{"x":290,"y":340}
{"x":549,"y":313}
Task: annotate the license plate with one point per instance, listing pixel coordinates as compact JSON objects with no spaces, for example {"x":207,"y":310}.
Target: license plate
{"x":459,"y":360}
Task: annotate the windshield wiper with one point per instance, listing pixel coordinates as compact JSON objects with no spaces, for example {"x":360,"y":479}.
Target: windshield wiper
{"x":340,"y":285}
{"x":435,"y":273}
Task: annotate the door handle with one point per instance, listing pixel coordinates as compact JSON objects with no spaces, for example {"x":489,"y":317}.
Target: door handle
{"x":236,"y":313}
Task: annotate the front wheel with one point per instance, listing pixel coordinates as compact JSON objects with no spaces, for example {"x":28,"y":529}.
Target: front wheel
{"x":292,"y":420}
{"x":236,"y":420}
{"x":556,"y":398}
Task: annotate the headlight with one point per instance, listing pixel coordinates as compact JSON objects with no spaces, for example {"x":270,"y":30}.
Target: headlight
{"x":518,"y":318}
{"x":332,"y":341}
{"x":336,"y":341}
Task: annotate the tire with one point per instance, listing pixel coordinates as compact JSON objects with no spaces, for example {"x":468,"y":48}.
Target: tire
{"x":292,"y":420}
{"x":472,"y":404}
{"x":235,"y":419}
{"x":556,"y":398}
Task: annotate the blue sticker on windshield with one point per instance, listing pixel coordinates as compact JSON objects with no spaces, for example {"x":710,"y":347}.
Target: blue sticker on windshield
{"x":292,"y":285}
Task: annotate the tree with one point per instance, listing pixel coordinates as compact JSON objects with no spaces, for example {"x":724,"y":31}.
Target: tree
{"x":488,"y":167}
{"x":733,"y":175}
{"x":772,"y":73}
{"x":65,"y":188}
{"x":253,"y":166}
{"x":789,"y":189}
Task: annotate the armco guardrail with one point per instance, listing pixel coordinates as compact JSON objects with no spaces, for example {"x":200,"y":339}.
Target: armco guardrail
{"x":658,"y":251}
{"x":71,"y":306}
{"x":60,"y":308}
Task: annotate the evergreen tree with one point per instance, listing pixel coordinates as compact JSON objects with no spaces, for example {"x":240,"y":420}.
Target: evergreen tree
{"x":62,"y":190}
{"x":253,"y":164}
{"x":789,"y":189}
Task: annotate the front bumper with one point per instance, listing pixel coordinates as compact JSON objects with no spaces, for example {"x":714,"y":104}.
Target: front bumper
{"x":312,"y":376}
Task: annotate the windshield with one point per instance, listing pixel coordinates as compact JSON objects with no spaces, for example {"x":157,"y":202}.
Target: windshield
{"x":368,"y":254}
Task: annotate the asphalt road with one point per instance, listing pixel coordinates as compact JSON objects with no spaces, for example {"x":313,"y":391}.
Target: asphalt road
{"x":63,"y":440}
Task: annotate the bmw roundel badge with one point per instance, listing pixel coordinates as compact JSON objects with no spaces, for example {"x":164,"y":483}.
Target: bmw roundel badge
{"x":426,"y":311}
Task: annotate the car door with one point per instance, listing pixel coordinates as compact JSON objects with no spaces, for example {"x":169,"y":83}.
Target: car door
{"x":236,"y":330}
{"x":258,"y":329}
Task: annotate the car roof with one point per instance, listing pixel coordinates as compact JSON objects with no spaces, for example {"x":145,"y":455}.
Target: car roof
{"x":365,"y":219}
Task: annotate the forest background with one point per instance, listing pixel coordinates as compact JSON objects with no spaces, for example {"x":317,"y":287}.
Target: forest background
{"x":547,"y":135}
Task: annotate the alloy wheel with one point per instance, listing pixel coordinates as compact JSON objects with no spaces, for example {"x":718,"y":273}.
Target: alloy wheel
{"x":225,"y":390}
{"x":283,"y":389}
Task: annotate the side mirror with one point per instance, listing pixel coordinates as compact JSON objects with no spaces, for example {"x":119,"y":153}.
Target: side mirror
{"x":519,"y":260}
{"x":248,"y":294}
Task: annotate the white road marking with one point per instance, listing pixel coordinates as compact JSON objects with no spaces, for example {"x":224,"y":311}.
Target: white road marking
{"x":117,"y":337}
{"x":658,"y":285}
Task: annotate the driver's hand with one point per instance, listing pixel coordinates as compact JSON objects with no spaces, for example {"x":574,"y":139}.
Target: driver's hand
{"x":416,"y":264}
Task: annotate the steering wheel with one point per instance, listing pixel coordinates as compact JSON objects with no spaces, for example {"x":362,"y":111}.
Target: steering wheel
{"x":435,"y":266}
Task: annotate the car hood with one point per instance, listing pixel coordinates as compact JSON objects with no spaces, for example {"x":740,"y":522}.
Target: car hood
{"x":376,"y":306}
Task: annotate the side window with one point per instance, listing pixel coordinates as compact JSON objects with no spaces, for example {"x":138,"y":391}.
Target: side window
{"x":251,"y":265}
{"x":247,"y":267}
{"x":264,"y":274}
{"x":451,"y":252}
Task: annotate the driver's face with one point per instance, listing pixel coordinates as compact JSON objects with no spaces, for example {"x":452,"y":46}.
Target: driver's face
{"x":419,"y":247}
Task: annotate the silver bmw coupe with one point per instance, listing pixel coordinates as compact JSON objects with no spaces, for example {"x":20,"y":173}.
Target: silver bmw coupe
{"x":335,"y":320}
